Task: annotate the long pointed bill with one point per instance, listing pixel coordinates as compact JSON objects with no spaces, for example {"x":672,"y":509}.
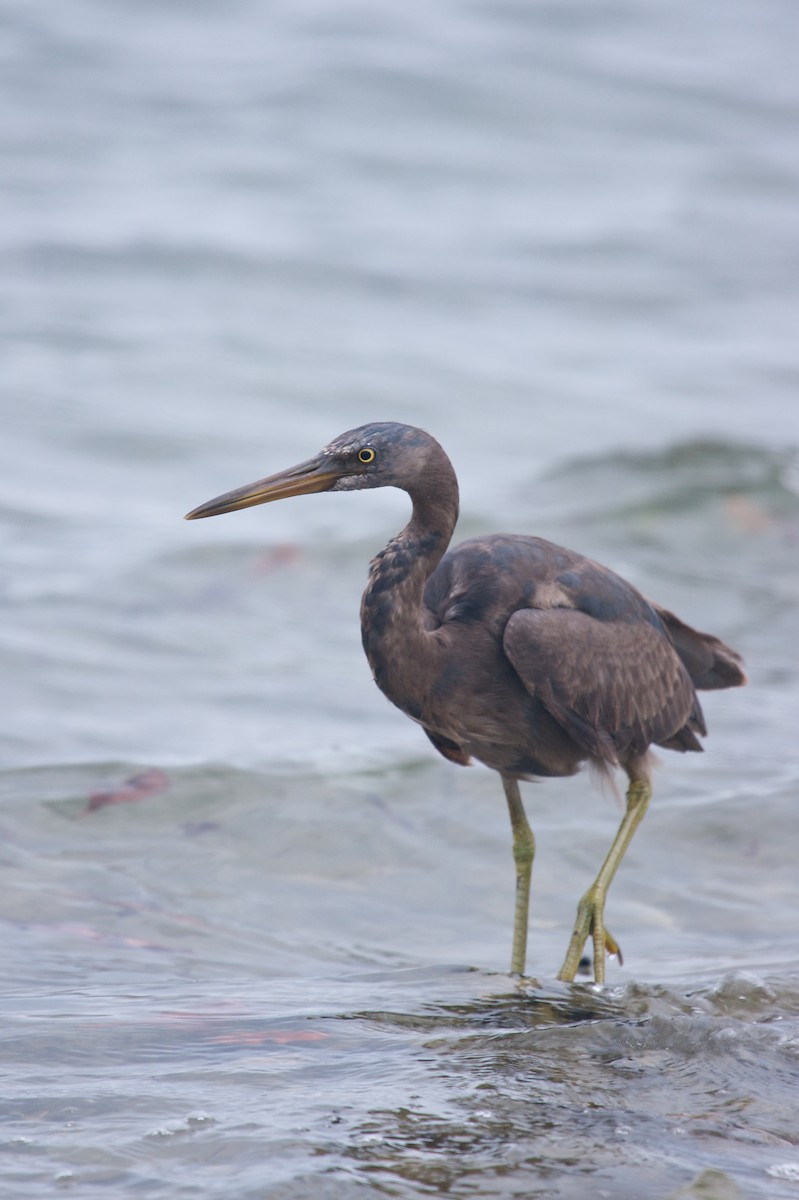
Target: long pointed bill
{"x":315,"y":475}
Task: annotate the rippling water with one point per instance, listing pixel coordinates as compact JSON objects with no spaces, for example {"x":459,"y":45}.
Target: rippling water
{"x":254,"y":932}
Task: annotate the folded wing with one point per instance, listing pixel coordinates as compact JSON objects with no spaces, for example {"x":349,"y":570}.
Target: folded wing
{"x":616,"y":686}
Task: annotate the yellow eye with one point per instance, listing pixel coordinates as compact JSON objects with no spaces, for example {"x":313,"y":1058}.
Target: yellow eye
{"x":366,"y":455}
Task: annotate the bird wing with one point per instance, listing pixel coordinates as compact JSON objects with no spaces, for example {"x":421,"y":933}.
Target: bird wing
{"x":615,"y":686}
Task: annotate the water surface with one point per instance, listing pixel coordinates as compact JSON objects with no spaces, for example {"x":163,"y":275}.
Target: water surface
{"x":255,"y":934}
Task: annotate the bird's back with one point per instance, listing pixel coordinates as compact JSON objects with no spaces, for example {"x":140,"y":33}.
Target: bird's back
{"x":489,"y":578}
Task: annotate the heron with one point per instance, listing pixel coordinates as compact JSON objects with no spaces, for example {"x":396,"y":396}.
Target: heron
{"x":514,"y":651}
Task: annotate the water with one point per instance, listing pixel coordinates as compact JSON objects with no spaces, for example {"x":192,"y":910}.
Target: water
{"x":254,"y":932}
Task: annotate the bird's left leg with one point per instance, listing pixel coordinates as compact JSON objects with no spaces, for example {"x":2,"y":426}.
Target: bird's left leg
{"x":523,"y":854}
{"x":590,"y":920}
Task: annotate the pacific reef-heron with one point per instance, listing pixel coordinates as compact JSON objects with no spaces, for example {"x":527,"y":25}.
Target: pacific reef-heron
{"x":512,"y":650}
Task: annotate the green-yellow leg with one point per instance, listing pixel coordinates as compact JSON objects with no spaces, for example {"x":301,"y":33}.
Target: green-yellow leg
{"x":590,"y":920}
{"x":523,"y":855}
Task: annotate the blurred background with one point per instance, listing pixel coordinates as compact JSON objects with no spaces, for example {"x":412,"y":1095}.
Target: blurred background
{"x":563,"y":238}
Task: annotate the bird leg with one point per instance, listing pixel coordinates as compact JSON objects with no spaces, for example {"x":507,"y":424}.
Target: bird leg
{"x":523,"y":854}
{"x":590,"y":911}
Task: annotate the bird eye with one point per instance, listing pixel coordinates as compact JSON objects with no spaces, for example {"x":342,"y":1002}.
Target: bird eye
{"x":366,"y":455}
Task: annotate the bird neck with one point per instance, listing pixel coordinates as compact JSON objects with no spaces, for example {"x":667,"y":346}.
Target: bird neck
{"x":395,"y":624}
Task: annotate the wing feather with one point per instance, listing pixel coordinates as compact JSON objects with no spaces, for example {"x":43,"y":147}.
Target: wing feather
{"x":616,"y":686}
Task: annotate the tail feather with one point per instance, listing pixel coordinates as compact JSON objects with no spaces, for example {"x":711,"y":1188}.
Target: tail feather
{"x":707,"y":660}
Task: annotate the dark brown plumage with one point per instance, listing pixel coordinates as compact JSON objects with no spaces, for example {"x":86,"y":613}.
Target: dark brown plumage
{"x":512,"y":650}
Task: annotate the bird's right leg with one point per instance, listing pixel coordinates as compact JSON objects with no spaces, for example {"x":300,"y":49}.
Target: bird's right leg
{"x":590,"y":920}
{"x":523,"y":855}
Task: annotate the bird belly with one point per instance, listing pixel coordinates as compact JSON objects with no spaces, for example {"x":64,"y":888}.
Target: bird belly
{"x":479,"y":709}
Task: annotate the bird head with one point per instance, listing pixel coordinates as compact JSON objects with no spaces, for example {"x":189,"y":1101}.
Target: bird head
{"x":383,"y":454}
